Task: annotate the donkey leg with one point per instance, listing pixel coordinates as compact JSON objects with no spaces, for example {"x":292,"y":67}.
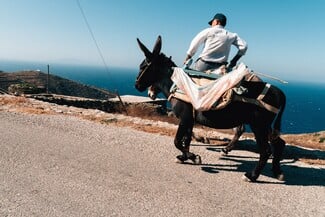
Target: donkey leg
{"x":265,"y":152}
{"x":184,"y":146}
{"x":182,"y":142}
{"x":183,"y":139}
{"x":231,"y":145}
{"x":278,"y":145}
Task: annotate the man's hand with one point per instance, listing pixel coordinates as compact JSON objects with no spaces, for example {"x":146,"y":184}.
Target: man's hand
{"x":188,"y":63}
{"x":233,"y":62}
{"x":186,"y":59}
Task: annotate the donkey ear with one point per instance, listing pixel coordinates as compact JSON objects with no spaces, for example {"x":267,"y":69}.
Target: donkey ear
{"x":144,"y":49}
{"x":157,"y":47}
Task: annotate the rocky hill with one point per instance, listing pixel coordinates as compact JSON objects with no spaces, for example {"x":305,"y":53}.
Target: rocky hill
{"x":39,"y":82}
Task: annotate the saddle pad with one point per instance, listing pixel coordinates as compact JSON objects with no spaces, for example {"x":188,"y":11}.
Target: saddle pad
{"x":204,"y":97}
{"x":223,"y":101}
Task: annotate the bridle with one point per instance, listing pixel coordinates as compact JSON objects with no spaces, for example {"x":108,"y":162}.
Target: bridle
{"x":148,"y":64}
{"x":145,"y":77}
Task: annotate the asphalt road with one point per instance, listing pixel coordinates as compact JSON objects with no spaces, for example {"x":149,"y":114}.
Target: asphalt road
{"x":64,"y":166}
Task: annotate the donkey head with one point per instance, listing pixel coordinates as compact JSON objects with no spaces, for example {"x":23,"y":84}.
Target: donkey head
{"x":147,"y":75}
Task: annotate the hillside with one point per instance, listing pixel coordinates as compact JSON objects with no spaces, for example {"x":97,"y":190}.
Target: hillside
{"x":36,"y":82}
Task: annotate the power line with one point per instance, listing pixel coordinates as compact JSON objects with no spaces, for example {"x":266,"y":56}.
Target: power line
{"x":92,"y":35}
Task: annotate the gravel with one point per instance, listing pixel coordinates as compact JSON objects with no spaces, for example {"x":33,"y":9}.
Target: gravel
{"x":58,"y":165}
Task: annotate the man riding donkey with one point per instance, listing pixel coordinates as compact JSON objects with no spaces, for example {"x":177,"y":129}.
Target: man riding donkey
{"x":217,"y":42}
{"x":261,"y":106}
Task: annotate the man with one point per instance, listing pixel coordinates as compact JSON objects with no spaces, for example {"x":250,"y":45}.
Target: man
{"x":217,"y":43}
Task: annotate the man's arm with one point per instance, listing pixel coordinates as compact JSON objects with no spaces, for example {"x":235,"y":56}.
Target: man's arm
{"x":198,"y":40}
{"x":242,"y":48}
{"x":234,"y":60}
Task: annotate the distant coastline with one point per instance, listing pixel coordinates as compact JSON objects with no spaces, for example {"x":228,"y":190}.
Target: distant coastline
{"x":59,"y":69}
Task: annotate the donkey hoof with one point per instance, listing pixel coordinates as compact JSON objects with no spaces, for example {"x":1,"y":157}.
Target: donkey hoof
{"x":225,"y":151}
{"x":279,"y":177}
{"x":180,"y":159}
{"x":197,"y":160}
{"x":278,"y":174}
{"x":247,"y":177}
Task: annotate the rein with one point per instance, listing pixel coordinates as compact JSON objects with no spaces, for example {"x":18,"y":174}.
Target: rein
{"x":143,"y":71}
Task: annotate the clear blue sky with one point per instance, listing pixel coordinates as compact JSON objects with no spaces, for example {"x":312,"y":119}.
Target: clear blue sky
{"x":285,"y":37}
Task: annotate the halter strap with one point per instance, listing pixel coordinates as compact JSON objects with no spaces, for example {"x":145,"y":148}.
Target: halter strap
{"x":142,"y":73}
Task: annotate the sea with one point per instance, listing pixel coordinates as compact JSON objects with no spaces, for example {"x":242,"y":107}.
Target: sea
{"x":304,"y":113}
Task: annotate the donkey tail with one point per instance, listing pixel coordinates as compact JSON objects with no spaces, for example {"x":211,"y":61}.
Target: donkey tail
{"x":278,"y":119}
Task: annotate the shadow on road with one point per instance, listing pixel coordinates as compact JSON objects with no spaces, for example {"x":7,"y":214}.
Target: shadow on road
{"x":294,"y":174}
{"x":290,"y":152}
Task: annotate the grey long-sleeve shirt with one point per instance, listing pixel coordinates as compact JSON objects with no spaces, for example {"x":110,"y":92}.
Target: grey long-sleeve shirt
{"x":217,"y":43}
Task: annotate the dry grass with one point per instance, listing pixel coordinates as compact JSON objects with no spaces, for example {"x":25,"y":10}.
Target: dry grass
{"x":13,"y":100}
{"x":308,"y":140}
{"x":313,"y":161}
{"x":23,"y":105}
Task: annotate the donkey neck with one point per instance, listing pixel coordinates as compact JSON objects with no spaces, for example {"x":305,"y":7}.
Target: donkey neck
{"x":166,"y":82}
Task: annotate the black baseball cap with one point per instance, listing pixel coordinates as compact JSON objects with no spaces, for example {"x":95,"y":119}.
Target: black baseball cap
{"x":221,"y":17}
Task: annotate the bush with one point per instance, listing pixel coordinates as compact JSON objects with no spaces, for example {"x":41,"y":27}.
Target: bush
{"x":24,"y":88}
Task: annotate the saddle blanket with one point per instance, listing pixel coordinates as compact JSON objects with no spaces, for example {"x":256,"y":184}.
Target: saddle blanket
{"x":203,"y":97}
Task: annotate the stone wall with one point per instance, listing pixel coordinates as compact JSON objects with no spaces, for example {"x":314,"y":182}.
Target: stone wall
{"x":127,"y":105}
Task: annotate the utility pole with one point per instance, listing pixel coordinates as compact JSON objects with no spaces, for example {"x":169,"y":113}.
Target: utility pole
{"x":47,"y":80}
